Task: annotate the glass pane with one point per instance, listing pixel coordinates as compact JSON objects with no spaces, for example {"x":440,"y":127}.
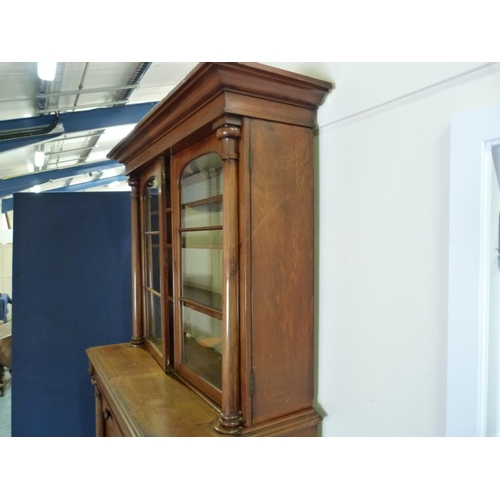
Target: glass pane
{"x":201,"y":261}
{"x":153,"y":261}
{"x":202,"y":267}
{"x":153,"y":319}
{"x":155,"y":216}
{"x":151,"y":203}
{"x":202,"y":214}
{"x":202,"y":344}
{"x":151,"y":234}
{"x":202,"y":179}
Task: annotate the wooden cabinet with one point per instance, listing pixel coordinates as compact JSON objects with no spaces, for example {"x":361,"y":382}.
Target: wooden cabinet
{"x":5,"y":356}
{"x":222,"y":181}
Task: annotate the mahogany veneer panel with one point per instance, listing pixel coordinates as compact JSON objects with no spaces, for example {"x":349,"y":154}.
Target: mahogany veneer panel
{"x":282,"y":269}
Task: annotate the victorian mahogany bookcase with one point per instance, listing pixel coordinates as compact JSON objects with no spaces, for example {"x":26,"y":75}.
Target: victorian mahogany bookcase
{"x":222,"y":177}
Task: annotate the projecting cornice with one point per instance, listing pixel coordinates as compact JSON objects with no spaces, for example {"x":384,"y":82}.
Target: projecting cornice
{"x":217,"y":93}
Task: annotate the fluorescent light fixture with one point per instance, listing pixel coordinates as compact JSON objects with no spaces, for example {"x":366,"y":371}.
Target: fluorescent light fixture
{"x":118,"y":132}
{"x":96,"y":155}
{"x":36,"y":189}
{"x":111,"y":172}
{"x":47,"y":70}
{"x":39,"y":158}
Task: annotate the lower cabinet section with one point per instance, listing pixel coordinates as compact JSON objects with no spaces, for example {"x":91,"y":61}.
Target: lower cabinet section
{"x":135,"y":397}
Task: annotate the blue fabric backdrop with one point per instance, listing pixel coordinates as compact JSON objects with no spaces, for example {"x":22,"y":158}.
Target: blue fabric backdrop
{"x":72,"y":290}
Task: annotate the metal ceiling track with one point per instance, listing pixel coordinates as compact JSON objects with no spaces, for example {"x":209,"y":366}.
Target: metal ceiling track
{"x":71,"y":123}
{"x":57,"y":123}
{"x":124,"y":96}
{"x":87,"y":91}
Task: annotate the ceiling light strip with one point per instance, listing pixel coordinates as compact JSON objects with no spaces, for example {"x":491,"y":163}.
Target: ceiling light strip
{"x":83,"y":106}
{"x":63,"y":93}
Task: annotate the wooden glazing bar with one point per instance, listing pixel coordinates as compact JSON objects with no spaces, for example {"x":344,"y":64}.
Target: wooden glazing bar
{"x":202,"y":308}
{"x":153,"y":291}
{"x":205,"y":228}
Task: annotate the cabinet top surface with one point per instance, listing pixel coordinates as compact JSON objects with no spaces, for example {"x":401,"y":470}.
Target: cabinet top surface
{"x":220,"y":89}
{"x":151,"y":402}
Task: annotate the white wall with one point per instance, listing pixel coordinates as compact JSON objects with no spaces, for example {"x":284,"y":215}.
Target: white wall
{"x":383,"y":240}
{"x":6,"y":234}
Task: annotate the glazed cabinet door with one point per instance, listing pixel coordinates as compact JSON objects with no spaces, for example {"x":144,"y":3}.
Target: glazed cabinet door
{"x":156,"y":261}
{"x":198,"y":220}
{"x":206,"y":263}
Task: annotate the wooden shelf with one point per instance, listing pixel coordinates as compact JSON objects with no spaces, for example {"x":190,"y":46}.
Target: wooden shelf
{"x":203,"y":297}
{"x":205,"y":201}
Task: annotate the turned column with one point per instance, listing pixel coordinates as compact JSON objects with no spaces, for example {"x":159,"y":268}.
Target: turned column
{"x":137,"y":331}
{"x":230,"y":419}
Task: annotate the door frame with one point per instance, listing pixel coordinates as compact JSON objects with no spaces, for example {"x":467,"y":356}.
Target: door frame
{"x":473,"y":134}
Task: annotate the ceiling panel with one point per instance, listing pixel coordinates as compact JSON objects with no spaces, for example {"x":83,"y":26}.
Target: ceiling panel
{"x":17,"y":89}
{"x":23,"y":94}
{"x":160,"y":79}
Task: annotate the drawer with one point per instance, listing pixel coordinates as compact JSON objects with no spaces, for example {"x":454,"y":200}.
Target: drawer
{"x":111,"y":427}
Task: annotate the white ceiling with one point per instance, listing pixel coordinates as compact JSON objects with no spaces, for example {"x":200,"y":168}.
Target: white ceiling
{"x":20,"y":96}
{"x":77,"y":88}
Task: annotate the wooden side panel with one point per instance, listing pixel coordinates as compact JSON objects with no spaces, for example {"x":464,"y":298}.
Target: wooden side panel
{"x":245,"y":278}
{"x":282,"y":268}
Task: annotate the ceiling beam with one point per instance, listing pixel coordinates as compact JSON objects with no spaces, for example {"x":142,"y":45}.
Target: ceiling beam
{"x":23,"y":182}
{"x":80,"y":121}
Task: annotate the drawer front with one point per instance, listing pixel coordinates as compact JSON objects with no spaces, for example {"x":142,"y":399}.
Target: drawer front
{"x":111,"y":427}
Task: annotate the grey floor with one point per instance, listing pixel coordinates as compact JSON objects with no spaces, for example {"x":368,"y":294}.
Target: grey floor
{"x":5,"y":412}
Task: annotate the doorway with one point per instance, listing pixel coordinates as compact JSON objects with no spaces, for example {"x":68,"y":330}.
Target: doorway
{"x":474,"y":277}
